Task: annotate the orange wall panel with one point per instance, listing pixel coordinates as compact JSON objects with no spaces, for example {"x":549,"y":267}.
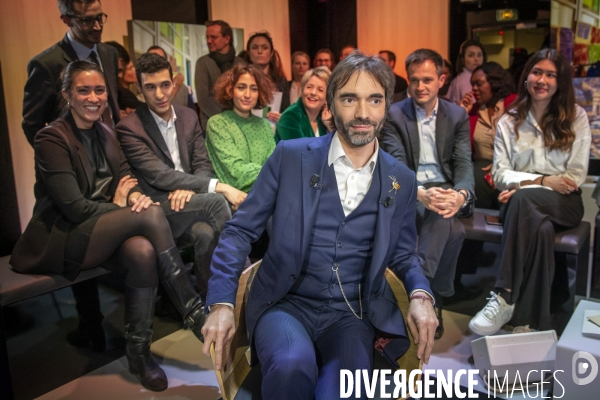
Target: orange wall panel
{"x":258,"y":15}
{"x":27,"y":27}
{"x":402,"y":26}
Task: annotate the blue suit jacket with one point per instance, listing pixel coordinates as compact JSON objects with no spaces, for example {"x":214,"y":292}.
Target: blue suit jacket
{"x":283,"y":191}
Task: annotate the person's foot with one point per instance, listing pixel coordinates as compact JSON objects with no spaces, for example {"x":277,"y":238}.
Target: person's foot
{"x":492,"y":317}
{"x":462,"y":293}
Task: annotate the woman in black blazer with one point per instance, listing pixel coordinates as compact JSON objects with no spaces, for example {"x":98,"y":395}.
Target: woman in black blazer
{"x":89,"y":212}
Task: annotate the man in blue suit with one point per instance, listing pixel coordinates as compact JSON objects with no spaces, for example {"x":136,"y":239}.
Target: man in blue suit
{"x":342,"y":211}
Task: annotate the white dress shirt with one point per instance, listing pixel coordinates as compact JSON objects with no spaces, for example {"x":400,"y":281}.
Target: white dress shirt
{"x":528,"y":158}
{"x":353,"y":183}
{"x":169,"y":134}
{"x":429,"y":165}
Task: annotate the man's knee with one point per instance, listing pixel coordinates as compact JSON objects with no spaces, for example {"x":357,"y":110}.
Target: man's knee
{"x":292,"y":365}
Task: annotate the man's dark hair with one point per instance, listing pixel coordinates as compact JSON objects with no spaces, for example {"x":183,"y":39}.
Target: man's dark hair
{"x":225,"y":29}
{"x":123,"y":53}
{"x":390,"y":55}
{"x":358,"y":61}
{"x":66,"y":6}
{"x":156,"y":47}
{"x":420,"y":56}
{"x":150,"y":63}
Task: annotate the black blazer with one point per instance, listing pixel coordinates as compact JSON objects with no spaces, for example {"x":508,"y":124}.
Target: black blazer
{"x":150,"y":159}
{"x":62,"y":190}
{"x":400,"y":138}
{"x":43,"y":102}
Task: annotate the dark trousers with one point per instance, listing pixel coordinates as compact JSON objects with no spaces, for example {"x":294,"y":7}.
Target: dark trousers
{"x":485,"y":195}
{"x":528,"y":268}
{"x":199,"y":224}
{"x":302,"y":349}
{"x":440,"y":241}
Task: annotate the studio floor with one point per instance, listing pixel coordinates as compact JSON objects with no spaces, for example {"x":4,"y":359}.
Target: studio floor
{"x":44,"y":365}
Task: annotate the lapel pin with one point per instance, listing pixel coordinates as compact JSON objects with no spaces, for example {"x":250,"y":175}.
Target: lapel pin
{"x":395,"y":184}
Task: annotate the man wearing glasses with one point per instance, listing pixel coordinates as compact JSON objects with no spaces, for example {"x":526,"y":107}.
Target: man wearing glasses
{"x":221,"y":57}
{"x":41,"y":104}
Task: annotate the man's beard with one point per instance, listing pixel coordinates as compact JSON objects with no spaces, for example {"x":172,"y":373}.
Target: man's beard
{"x":358,"y":139}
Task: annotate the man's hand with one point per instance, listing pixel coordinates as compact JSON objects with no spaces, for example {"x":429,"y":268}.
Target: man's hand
{"x":234,"y":196}
{"x":179,"y":198}
{"x":445,"y":202}
{"x":422,"y":323}
{"x":219,"y":328}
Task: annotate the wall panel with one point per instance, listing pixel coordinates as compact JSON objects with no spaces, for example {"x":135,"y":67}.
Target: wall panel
{"x":402,"y":26}
{"x":27,"y":27}
{"x":258,"y":15}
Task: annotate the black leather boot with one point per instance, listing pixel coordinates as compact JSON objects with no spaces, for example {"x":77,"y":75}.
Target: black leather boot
{"x":178,"y":284}
{"x":139,"y":311}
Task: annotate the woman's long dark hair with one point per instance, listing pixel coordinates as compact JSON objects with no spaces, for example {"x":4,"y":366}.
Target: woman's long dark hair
{"x":557,"y":122}
{"x":275,"y":68}
{"x":501,"y":83}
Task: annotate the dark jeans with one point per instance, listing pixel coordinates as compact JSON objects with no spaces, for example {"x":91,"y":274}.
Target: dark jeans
{"x":199,"y":224}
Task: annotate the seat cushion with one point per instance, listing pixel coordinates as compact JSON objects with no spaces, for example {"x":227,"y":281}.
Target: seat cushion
{"x":15,"y":287}
{"x":569,"y":241}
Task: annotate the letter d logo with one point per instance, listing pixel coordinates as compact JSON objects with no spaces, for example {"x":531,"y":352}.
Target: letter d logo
{"x":581,"y":367}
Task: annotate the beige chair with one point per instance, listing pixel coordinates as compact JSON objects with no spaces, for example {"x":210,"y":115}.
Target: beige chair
{"x":236,"y":353}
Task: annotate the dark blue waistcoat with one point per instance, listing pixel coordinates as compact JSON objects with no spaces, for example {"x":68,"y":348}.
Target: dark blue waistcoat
{"x":336,"y":240}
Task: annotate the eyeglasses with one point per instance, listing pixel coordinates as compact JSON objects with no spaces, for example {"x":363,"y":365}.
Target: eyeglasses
{"x":89,"y":21}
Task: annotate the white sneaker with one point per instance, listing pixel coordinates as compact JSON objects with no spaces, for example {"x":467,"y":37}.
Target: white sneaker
{"x":494,"y":315}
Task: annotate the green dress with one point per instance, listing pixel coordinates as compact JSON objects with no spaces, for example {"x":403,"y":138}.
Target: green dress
{"x":238,"y":147}
{"x":294,"y":123}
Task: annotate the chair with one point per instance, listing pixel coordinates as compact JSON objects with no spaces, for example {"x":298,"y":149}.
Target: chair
{"x":236,"y":353}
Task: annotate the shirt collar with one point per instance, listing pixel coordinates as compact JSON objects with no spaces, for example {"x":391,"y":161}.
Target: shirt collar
{"x":336,"y":151}
{"x":160,"y":121}
{"x":421,"y":111}
{"x":83,"y":52}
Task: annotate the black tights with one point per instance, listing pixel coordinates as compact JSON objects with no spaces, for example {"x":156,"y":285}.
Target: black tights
{"x":127,"y":243}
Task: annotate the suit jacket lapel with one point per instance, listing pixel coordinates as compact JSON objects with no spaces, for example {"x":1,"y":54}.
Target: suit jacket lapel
{"x":384,"y":216}
{"x":69,"y":51}
{"x":413,"y":132}
{"x":314,"y":160}
{"x":152,"y":129}
{"x":183,"y":148}
{"x":441,"y":124}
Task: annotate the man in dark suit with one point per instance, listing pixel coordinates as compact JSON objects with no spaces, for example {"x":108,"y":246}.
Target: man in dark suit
{"x":42,"y":102}
{"x":401,"y":85}
{"x":165,"y":148}
{"x":342,"y":211}
{"x":431,"y":136}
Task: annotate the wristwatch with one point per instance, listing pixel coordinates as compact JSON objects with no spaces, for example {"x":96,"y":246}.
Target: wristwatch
{"x":467,"y":197}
